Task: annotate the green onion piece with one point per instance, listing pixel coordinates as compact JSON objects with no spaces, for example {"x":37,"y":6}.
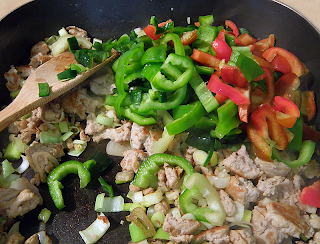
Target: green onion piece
{"x":162,"y":235}
{"x":67,"y":74}
{"x":12,"y":152}
{"x":212,"y":147}
{"x":79,"y":68}
{"x":99,"y":201}
{"x":108,"y":204}
{"x":136,"y":233}
{"x":44,"y":215}
{"x":79,"y":147}
{"x":74,"y":129}
{"x":106,"y":187}
{"x":131,"y":206}
{"x":66,"y":136}
{"x":157,"y":219}
{"x":50,"y":136}
{"x":63,"y":125}
{"x":20,"y":145}
{"x":104,"y":120}
{"x":247,"y":214}
{"x":44,"y":89}
{"x":6,"y":183}
{"x":7,"y":169}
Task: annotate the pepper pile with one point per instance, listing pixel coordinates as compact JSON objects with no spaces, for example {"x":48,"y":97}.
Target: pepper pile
{"x":219,"y":79}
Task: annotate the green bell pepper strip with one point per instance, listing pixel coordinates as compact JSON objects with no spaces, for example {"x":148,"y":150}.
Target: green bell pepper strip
{"x":187,"y":120}
{"x":207,"y":99}
{"x":178,"y":46}
{"x":161,"y":83}
{"x":58,"y":173}
{"x":250,"y":68}
{"x":137,"y":118}
{"x":44,"y":89}
{"x":173,"y":100}
{"x":149,"y":168}
{"x":296,"y":143}
{"x":206,"y":20}
{"x":305,"y":155}
{"x":155,"y":54}
{"x":206,"y":35}
{"x":216,"y":215}
{"x":150,"y":70}
{"x":121,"y":71}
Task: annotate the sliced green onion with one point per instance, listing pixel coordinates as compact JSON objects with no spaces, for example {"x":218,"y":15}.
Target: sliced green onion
{"x":67,"y":74}
{"x":50,"y":136}
{"x":12,"y":152}
{"x":157,"y":219}
{"x":7,"y":169}
{"x":136,"y":233}
{"x":104,"y":120}
{"x":96,"y":230}
{"x":63,"y":125}
{"x":74,"y":129}
{"x":44,"y":89}
{"x":247,"y":215}
{"x":108,"y":204}
{"x":20,"y":145}
{"x":106,"y":187}
{"x":162,"y":235}
{"x":66,"y":136}
{"x":44,"y":215}
{"x":131,"y":206}
{"x":6,"y":183}
{"x":79,"y":147}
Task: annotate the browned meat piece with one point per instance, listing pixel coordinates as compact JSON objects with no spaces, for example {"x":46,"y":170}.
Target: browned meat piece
{"x":34,"y":239}
{"x":180,"y":229}
{"x":172,"y":175}
{"x":13,"y":79}
{"x":52,"y":113}
{"x":39,"y":59}
{"x":162,"y":207}
{"x":76,"y":31}
{"x":15,"y":238}
{"x":42,"y":158}
{"x":272,"y":169}
{"x":241,"y":237}
{"x":240,"y":163}
{"x":227,"y":203}
{"x":119,"y":134}
{"x":132,"y":160}
{"x":218,"y":235}
{"x":242,"y":190}
{"x":92,"y":126}
{"x":40,"y":47}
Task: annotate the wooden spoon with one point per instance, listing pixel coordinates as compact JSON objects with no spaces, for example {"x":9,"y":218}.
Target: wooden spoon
{"x":28,"y":98}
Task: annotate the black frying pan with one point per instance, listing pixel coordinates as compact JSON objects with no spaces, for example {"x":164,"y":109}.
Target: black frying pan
{"x":105,"y":19}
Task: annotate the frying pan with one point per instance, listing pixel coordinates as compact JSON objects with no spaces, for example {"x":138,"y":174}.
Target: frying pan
{"x":105,"y":19}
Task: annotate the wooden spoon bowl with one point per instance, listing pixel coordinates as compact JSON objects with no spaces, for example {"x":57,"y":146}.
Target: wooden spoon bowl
{"x":28,"y":98}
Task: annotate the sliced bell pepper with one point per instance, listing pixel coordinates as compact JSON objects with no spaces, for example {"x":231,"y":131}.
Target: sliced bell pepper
{"x":150,"y":167}
{"x":281,"y":64}
{"x":268,"y":77}
{"x":187,"y":38}
{"x":289,"y":108}
{"x":155,"y":54}
{"x":308,"y":105}
{"x":249,"y":67}
{"x":217,"y":86}
{"x":174,"y":63}
{"x":151,"y":30}
{"x":244,"y":109}
{"x":310,"y":133}
{"x":247,"y":39}
{"x":286,"y":84}
{"x":311,"y":194}
{"x":178,"y":46}
{"x":206,"y":58}
{"x":233,"y":75}
{"x":233,"y":27}
{"x":222,"y":49}
{"x":296,"y":66}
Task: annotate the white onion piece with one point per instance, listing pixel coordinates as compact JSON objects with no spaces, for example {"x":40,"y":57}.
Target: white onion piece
{"x":96,"y":230}
{"x":137,"y":197}
{"x":62,"y":44}
{"x":152,"y":198}
{"x":124,"y":176}
{"x":43,"y":238}
{"x":116,"y":149}
{"x":175,"y":212}
{"x":24,"y":165}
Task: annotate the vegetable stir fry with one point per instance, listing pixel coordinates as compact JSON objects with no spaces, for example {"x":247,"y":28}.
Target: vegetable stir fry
{"x":215,"y":136}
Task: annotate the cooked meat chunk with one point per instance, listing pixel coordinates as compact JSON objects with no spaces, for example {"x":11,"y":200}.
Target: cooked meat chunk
{"x":13,"y":79}
{"x":80,"y":103}
{"x":22,"y":183}
{"x":40,"y":47}
{"x":15,"y":203}
{"x":15,"y":238}
{"x":240,"y":163}
{"x":76,"y":31}
{"x":242,"y":190}
{"x":287,"y":219}
{"x":315,"y":222}
{"x":119,"y":134}
{"x":132,"y":160}
{"x":180,"y":228}
{"x":272,"y":169}
{"x":162,"y":207}
{"x":262,"y":229}
{"x":42,"y":157}
{"x":241,"y":237}
{"x":227,"y":203}
{"x":34,"y":239}
{"x":92,"y":126}
{"x":52,"y":113}
{"x":172,"y":175}
{"x":39,"y":59}
{"x":218,"y":235}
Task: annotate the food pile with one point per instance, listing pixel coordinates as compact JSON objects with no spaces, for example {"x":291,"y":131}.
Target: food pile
{"x":215,"y":137}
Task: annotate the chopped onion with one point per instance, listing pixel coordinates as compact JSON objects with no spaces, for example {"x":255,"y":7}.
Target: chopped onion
{"x":62,"y":44}
{"x":163,"y":143}
{"x":175,"y":212}
{"x":104,"y":120}
{"x":96,"y":230}
{"x":188,"y":216}
{"x":172,"y":195}
{"x":219,"y":181}
{"x":152,"y":198}
{"x":63,"y":32}
{"x":137,"y":197}
{"x":108,"y":204}
{"x":124,"y":176}
{"x":24,"y":165}
{"x":44,"y":238}
{"x":200,"y":156}
{"x":116,"y":149}
{"x":79,"y":147}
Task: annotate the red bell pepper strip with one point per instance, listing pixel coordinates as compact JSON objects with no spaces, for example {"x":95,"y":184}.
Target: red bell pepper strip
{"x":264,"y":44}
{"x":281,"y":64}
{"x":286,"y":84}
{"x":222,"y":49}
{"x":263,"y":63}
{"x":246,"y":39}
{"x":309,"y":133}
{"x":287,"y":111}
{"x":311,"y":194}
{"x":267,"y":126}
{"x":233,"y":27}
{"x":150,"y":30}
{"x":220,"y":98}
{"x":233,"y":75}
{"x":244,"y":109}
{"x":189,"y":37}
{"x":217,"y":86}
{"x":296,"y":66}
{"x":308,"y":106}
{"x":267,"y":75}
{"x":205,"y":58}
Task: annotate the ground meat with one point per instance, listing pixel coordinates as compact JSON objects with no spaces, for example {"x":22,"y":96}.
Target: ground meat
{"x":40,"y":47}
{"x":92,"y":126}
{"x":172,"y":175}
{"x":13,"y":79}
{"x":177,"y":226}
{"x":227,"y":203}
{"x":132,"y":160}
{"x":273,"y":168}
{"x":119,"y":134}
{"x":52,"y":113}
{"x":162,"y":207}
{"x":78,"y":102}
{"x":15,"y":238}
{"x":34,"y":239}
{"x":42,"y":157}
{"x":39,"y":59}
{"x":242,"y":190}
{"x":241,"y":237}
{"x":217,"y":235}
{"x":240,"y":163}
{"x":76,"y":31}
